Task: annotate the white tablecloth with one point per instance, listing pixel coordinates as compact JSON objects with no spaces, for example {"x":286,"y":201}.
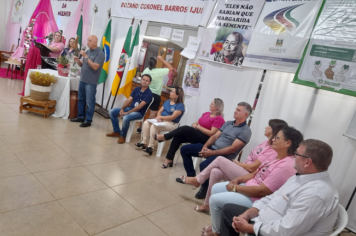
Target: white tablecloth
{"x":60,"y":91}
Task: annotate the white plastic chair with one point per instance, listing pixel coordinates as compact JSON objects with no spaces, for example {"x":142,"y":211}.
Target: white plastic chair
{"x":161,"y":144}
{"x":341,"y":222}
{"x":133,"y":122}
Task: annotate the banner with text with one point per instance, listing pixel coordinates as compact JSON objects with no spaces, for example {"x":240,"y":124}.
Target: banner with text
{"x":229,"y":31}
{"x":181,"y":12}
{"x":329,"y":61}
{"x":63,"y":11}
{"x":284,"y":28}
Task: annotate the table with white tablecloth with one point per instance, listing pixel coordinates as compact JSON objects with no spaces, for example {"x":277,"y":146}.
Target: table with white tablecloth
{"x":60,"y":91}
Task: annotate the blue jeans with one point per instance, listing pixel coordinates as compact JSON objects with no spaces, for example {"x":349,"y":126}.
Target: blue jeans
{"x":192,"y":150}
{"x":219,"y":197}
{"x":114,"y":113}
{"x":86,"y":99}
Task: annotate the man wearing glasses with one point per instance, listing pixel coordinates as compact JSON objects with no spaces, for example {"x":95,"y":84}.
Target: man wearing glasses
{"x":307,"y":204}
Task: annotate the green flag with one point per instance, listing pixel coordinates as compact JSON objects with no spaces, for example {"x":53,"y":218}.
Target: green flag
{"x":105,"y":46}
{"x":80,"y":32}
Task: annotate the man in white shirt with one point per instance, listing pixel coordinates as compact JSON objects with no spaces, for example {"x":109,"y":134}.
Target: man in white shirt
{"x":307,"y":204}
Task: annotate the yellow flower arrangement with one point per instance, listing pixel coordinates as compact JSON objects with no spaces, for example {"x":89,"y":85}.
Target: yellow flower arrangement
{"x":38,"y":78}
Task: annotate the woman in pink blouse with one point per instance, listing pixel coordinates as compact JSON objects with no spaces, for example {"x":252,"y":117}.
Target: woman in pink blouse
{"x":56,"y":46}
{"x":207,"y":125}
{"x":223,"y":169}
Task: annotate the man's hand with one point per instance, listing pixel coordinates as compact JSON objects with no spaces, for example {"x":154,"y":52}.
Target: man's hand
{"x":82,"y":52}
{"x":206,"y":152}
{"x":122,"y":112}
{"x":241,"y":225}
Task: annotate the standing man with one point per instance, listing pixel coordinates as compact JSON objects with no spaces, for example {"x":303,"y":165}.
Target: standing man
{"x":227,"y":142}
{"x":93,"y":61}
{"x":139,"y":99}
{"x":307,"y":204}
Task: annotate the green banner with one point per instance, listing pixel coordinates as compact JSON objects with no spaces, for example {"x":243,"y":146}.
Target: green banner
{"x":329,"y":59}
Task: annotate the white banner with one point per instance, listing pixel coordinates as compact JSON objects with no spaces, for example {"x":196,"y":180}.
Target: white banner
{"x":229,"y":31}
{"x":63,"y":11}
{"x":284,"y":28}
{"x":181,"y":12}
{"x":16,"y":14}
{"x":192,"y":79}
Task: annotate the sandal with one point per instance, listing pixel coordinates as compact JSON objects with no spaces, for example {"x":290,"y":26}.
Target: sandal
{"x":170,"y":164}
{"x":148,"y":150}
{"x":205,"y":229}
{"x":155,"y":138}
{"x":181,"y":179}
{"x":140,"y":145}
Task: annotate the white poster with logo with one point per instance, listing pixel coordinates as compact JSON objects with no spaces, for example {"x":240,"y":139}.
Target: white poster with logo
{"x":181,"y":12}
{"x":284,"y":28}
{"x":192,"y":79}
{"x":16,"y":14}
{"x":329,"y":61}
{"x":229,"y":31}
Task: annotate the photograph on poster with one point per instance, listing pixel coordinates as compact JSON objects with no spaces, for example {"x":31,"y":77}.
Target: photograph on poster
{"x":229,"y":31}
{"x":192,"y":78}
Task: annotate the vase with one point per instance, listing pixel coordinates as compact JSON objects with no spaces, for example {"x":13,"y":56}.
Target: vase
{"x":63,"y":70}
{"x":40,"y":93}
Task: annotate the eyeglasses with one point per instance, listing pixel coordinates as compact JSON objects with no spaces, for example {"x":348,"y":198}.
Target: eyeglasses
{"x":296,"y":154}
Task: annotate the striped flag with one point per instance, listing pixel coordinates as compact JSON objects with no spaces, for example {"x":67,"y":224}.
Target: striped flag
{"x":122,"y":62}
{"x":105,"y":46}
{"x":125,"y":88}
{"x":80,"y":32}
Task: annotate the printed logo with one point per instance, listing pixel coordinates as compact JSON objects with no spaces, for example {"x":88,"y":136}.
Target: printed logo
{"x":281,"y":20}
{"x":122,"y":62}
{"x":279,"y":42}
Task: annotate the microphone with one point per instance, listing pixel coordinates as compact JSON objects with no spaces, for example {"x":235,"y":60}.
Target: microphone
{"x":83,"y":49}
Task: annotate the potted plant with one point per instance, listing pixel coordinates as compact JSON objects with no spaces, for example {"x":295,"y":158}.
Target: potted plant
{"x":63,"y":66}
{"x":41,"y":85}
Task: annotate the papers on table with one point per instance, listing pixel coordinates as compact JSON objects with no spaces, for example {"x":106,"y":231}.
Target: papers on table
{"x":156,"y":123}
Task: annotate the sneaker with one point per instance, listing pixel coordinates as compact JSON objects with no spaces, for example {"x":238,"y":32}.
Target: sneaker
{"x":138,"y":131}
{"x":85,"y":124}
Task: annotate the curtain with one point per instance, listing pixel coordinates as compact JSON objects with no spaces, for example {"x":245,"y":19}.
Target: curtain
{"x":318,"y":114}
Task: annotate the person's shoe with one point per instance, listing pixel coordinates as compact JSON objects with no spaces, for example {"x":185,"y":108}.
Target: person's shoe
{"x":85,"y":124}
{"x":113,"y":134}
{"x":121,"y":140}
{"x":202,"y":193}
{"x":138,"y":131}
{"x":77,"y":120}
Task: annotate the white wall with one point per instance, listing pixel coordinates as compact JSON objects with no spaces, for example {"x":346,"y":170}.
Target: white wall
{"x":318,"y":114}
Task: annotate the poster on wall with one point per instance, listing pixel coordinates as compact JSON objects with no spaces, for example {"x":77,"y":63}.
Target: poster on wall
{"x":329,"y":61}
{"x":193,"y":75}
{"x":16,"y":14}
{"x":63,"y":11}
{"x":229,"y":31}
{"x":284,"y":28}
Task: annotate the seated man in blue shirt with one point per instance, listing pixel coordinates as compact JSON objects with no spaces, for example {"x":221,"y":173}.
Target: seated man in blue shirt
{"x":134,"y":108}
{"x":227,"y":142}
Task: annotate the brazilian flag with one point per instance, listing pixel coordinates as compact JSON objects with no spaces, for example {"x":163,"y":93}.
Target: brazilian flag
{"x":105,"y":46}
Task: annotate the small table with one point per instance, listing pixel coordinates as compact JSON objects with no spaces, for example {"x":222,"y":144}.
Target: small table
{"x":42,"y":107}
{"x":13,"y":67}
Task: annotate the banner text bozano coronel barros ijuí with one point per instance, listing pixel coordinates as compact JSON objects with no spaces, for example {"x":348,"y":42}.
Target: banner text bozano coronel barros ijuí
{"x":160,"y":7}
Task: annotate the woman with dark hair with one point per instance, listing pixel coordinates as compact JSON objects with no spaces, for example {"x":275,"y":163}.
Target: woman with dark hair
{"x":70,"y":49}
{"x":156,"y":85}
{"x":232,"y":50}
{"x":268,"y":178}
{"x":207,"y":125}
{"x":223,"y":169}
{"x":170,"y":113}
{"x":56,"y":46}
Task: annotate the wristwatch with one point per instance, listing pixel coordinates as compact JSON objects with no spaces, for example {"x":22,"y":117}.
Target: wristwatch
{"x":234,"y":188}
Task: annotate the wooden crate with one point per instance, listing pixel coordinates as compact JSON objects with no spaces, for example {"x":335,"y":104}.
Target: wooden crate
{"x":41,"y":107}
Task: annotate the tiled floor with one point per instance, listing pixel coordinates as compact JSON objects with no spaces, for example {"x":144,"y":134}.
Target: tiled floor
{"x":57,"y":179}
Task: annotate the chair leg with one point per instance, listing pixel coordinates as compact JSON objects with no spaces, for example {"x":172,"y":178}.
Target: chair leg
{"x":8,"y":68}
{"x":160,"y":148}
{"x":129,"y":131}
